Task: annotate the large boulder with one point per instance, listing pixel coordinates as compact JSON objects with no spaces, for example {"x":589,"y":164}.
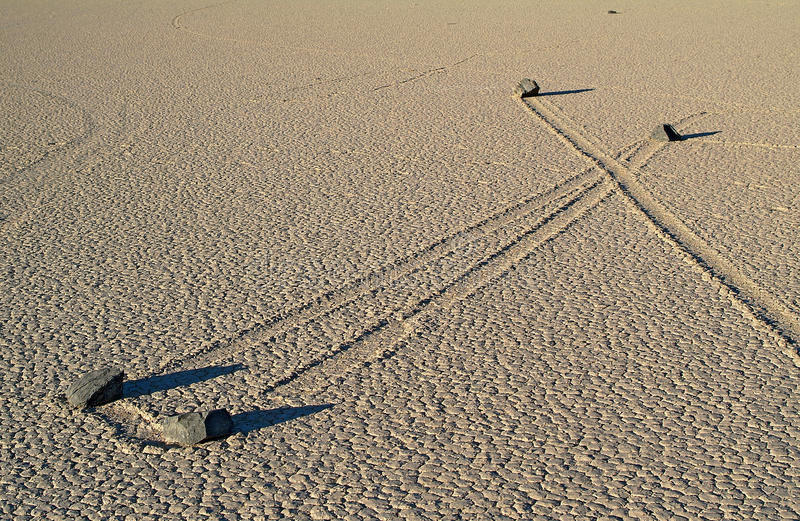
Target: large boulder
{"x":526,"y":88}
{"x":96,"y":388}
{"x":194,"y":427}
{"x":665,"y":132}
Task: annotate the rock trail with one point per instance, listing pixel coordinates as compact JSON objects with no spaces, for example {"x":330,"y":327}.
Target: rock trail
{"x":374,"y":315}
{"x":764,"y":305}
{"x":374,"y":281}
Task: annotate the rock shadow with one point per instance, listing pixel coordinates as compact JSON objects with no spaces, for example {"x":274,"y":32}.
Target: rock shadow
{"x":254,"y":420}
{"x":684,"y":137}
{"x":154,"y":384}
{"x":563,"y":92}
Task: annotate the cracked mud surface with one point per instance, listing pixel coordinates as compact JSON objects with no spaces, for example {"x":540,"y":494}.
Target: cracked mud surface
{"x":418,"y":297}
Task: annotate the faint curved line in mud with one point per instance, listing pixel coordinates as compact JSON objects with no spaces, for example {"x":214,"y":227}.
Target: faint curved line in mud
{"x":89,"y":128}
{"x":13,"y":218}
{"x":429,"y":72}
{"x":85,"y":145}
{"x":176,"y":24}
{"x":176,"y":21}
{"x":745,"y":144}
{"x":418,"y":76}
{"x":318,"y":83}
{"x":733,"y":106}
{"x":762,"y":305}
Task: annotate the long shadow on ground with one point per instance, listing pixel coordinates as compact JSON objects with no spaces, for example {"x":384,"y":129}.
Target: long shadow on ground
{"x":684,"y":137}
{"x":165,"y":382}
{"x":253,"y":420}
{"x":562,"y":92}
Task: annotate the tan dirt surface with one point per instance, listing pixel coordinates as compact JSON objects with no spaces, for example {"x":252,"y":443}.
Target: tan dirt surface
{"x":418,"y":297}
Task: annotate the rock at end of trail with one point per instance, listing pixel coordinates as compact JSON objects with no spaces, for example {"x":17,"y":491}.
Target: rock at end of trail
{"x":96,"y":388}
{"x":526,"y":88}
{"x":194,"y":427}
{"x":611,"y":11}
{"x":665,"y":132}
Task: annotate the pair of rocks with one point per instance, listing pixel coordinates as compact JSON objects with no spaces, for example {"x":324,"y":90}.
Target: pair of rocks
{"x":527,"y":88}
{"x":105,"y":385}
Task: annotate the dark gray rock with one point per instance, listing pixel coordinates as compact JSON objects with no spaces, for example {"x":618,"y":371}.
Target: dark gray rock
{"x":526,"y":88}
{"x":96,"y":388}
{"x":193,"y":427}
{"x":611,"y":11}
{"x":665,"y":132}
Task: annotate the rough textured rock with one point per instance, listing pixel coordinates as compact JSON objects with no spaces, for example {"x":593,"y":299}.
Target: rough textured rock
{"x":96,"y":388}
{"x":665,"y":132}
{"x":526,"y":88}
{"x":193,"y":427}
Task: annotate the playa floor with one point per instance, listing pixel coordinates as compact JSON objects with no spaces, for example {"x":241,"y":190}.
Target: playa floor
{"x":418,"y":296}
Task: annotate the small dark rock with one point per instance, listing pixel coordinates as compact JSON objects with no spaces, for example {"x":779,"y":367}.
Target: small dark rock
{"x":193,"y":427}
{"x":526,"y":88}
{"x":665,"y":132}
{"x":96,"y":388}
{"x":611,"y":11}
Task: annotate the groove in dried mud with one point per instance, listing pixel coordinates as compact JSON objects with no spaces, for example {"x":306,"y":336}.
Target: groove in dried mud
{"x":378,"y":343}
{"x":771,"y":311}
{"x":374,"y":281}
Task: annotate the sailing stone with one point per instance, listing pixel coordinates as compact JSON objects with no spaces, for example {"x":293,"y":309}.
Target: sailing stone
{"x":194,"y":427}
{"x":665,"y":132}
{"x":526,"y":88}
{"x":96,"y":388}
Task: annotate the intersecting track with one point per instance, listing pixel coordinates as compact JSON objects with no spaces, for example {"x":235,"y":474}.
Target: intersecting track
{"x":384,"y":307}
{"x":369,"y":319}
{"x":376,"y":282}
{"x":766,"y":307}
{"x":511,"y":245}
{"x":532,"y":226}
{"x":373,"y":282}
{"x":380,"y":309}
{"x":387,"y":308}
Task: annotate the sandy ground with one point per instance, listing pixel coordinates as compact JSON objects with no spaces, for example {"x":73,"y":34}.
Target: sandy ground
{"x":419,"y":297}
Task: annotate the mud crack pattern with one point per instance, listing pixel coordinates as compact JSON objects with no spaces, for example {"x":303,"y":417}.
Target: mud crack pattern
{"x":418,"y":298}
